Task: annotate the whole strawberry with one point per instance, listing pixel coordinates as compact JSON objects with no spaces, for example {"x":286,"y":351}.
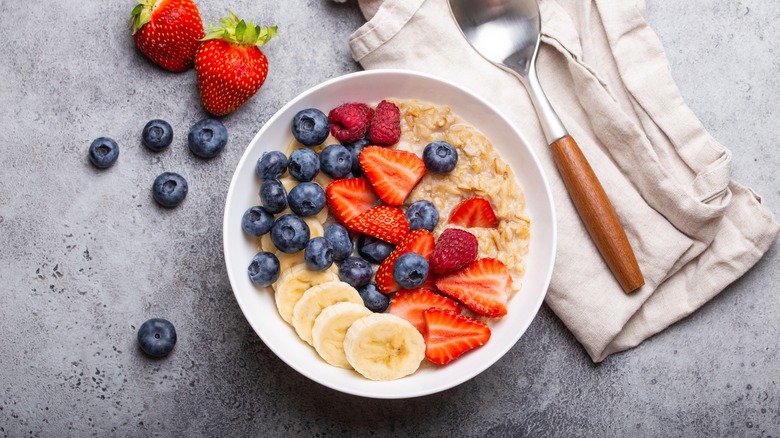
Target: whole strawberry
{"x":168,"y":32}
{"x":229,"y":64}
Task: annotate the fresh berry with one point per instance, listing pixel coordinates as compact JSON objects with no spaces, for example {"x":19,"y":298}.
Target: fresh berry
{"x":271,"y":165}
{"x":392,"y":172}
{"x":318,"y":254}
{"x":385,"y":129}
{"x":348,"y":198}
{"x":257,"y":221}
{"x":264,"y":269}
{"x":422,"y":215}
{"x":273,"y":196}
{"x":410,"y":270}
{"x":374,"y":300}
{"x":440,"y":157}
{"x":229,"y":65}
{"x":207,"y":138}
{"x":338,"y":236}
{"x":168,"y":32}
{"x":474,"y":212}
{"x":383,"y":222}
{"x":450,"y":334}
{"x":310,"y":127}
{"x":169,"y":189}
{"x":306,"y":199}
{"x":355,"y":271}
{"x":373,"y":249}
{"x":157,"y":337}
{"x":349,"y":121}
{"x":335,"y":161}
{"x":355,"y":148}
{"x":157,"y":135}
{"x":304,"y":164}
{"x":103,"y":152}
{"x":419,"y":241}
{"x":483,"y":286}
{"x":290,"y":233}
{"x":410,"y":305}
{"x":454,"y":250}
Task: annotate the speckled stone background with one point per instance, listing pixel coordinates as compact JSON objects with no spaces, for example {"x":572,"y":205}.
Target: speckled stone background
{"x":87,"y":256}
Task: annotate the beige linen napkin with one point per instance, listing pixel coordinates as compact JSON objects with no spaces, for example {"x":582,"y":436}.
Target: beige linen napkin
{"x":693,"y":229}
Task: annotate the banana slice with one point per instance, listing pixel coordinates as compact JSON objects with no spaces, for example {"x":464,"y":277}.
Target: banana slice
{"x":293,"y":283}
{"x":287,"y":261}
{"x":267,"y":244}
{"x":317,"y":298}
{"x":315,"y":226}
{"x":288,"y":182}
{"x":383,"y":346}
{"x":329,"y":330}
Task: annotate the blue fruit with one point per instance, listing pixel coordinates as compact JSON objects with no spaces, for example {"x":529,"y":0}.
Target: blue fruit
{"x":440,"y":157}
{"x":103,"y":152}
{"x":157,"y":337}
{"x":373,"y":249}
{"x":336,"y":161}
{"x":169,"y":189}
{"x":257,"y":221}
{"x":410,"y":270}
{"x":271,"y":165}
{"x":264,"y":269}
{"x":273,"y":196}
{"x":306,"y":199}
{"x":422,"y":215}
{"x":318,"y":254}
{"x":310,"y":127}
{"x":207,"y":138}
{"x":355,"y":271}
{"x":290,"y":233}
{"x":304,"y":164}
{"x":374,"y":300}
{"x":354,"y":149}
{"x":157,"y":135}
{"x":338,"y":236}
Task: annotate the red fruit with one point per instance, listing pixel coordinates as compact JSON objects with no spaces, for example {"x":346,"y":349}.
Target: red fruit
{"x":349,"y":121}
{"x":474,"y":212}
{"x":229,"y":65}
{"x":419,"y":241}
{"x":410,"y":305}
{"x":455,"y":250}
{"x":168,"y":32}
{"x":450,"y":334}
{"x":482,"y":286}
{"x":393,"y":173}
{"x":385,"y":129}
{"x":348,"y":198}
{"x":384,"y":222}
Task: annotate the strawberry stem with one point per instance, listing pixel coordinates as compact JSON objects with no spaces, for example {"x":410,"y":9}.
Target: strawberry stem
{"x":141,"y":14}
{"x":240,"y":32}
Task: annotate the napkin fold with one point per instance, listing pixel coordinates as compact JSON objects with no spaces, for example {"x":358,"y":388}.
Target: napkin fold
{"x":693,"y":229}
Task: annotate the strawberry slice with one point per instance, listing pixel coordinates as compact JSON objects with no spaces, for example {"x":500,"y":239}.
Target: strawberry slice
{"x":348,"y":198}
{"x":392,"y":172}
{"x":384,"y":222}
{"x":419,"y":241}
{"x":450,"y":334}
{"x":410,"y":305}
{"x":482,"y":286}
{"x":474,"y":212}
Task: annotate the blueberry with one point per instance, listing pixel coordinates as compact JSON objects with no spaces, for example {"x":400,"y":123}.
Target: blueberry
{"x":422,"y":215}
{"x":157,"y":135}
{"x":338,"y":236}
{"x":355,"y":271}
{"x":355,"y":148}
{"x":207,"y":138}
{"x":103,"y":152}
{"x":264,"y":269}
{"x":410,"y":270}
{"x":273,"y":196}
{"x":336,"y":161}
{"x":318,"y":254}
{"x":374,"y":300}
{"x":257,"y":221}
{"x":157,"y":337}
{"x":169,"y":189}
{"x":373,"y":249}
{"x":271,"y":165}
{"x":440,"y":157}
{"x":306,"y":199}
{"x":304,"y":164}
{"x":310,"y":127}
{"x":290,"y":233}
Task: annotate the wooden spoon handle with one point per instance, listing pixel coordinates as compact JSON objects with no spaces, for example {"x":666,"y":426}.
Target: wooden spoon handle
{"x":597,"y":213}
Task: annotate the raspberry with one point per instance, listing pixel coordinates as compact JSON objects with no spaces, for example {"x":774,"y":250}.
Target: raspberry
{"x":349,"y":121}
{"x":385,"y":129}
{"x":455,"y":250}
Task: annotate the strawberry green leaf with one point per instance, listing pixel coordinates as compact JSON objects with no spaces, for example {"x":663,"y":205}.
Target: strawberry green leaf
{"x":239,"y":32}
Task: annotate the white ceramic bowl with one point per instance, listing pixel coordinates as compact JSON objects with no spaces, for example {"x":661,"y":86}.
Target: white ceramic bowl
{"x":371,"y":87}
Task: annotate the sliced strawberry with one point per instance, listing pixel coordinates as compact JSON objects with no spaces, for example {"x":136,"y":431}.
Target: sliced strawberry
{"x":383,"y":222}
{"x":482,"y":286}
{"x":474,"y":212}
{"x":392,"y":172}
{"x":450,"y":334}
{"x":348,"y":198}
{"x":419,"y":241}
{"x":410,"y":305}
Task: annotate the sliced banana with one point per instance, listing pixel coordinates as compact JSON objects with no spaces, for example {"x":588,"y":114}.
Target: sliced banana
{"x":315,"y":226}
{"x":317,"y":298}
{"x":267,"y":244}
{"x":293,"y":283}
{"x":287,"y":261}
{"x":382,"y":346}
{"x":288,"y":182}
{"x":330,"y":328}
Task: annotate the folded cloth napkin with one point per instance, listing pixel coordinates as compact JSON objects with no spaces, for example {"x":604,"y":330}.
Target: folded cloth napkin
{"x":693,"y":229}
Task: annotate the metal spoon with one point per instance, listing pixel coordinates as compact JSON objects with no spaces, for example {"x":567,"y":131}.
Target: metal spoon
{"x":507,"y":33}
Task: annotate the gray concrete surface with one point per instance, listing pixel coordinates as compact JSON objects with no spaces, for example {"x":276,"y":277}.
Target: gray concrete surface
{"x":87,"y":256}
